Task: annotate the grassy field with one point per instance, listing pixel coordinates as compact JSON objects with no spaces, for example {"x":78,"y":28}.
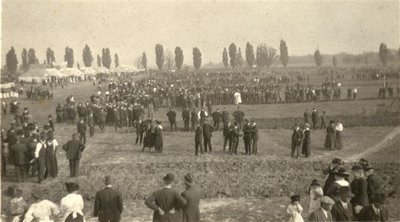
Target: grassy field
{"x":235,"y":188}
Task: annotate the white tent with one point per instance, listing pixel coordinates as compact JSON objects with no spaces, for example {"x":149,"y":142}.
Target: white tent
{"x":126,"y":69}
{"x":88,"y":71}
{"x":72,"y":72}
{"x":39,"y":74}
{"x":101,"y":69}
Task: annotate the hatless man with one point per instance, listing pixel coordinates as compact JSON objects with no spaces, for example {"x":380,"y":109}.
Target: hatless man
{"x":227,"y":136}
{"x":172,"y":118}
{"x":323,"y":214}
{"x":194,"y":118}
{"x":164,"y":202}
{"x":247,"y":137}
{"x":74,"y":149}
{"x":235,"y":134}
{"x":238,"y":115}
{"x":186,"y":119}
{"x":217,"y":117}
{"x":254,"y":136}
{"x":108,"y":203}
{"x":81,"y":129}
{"x":198,"y":139}
{"x":207,"y":134}
{"x":297,"y":138}
{"x":40,"y":156}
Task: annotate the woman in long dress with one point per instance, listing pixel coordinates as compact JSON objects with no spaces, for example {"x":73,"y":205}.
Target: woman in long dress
{"x":316,"y":193}
{"x":339,"y":135}
{"x":306,"y":147}
{"x":71,"y":205}
{"x":294,"y":209}
{"x":330,"y":140}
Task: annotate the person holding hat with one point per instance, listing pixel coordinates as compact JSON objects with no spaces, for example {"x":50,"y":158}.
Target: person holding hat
{"x":192,"y":194}
{"x":336,"y":162}
{"x":359,"y":186}
{"x":306,"y":147}
{"x":340,"y":181}
{"x":376,"y":211}
{"x":294,"y":209}
{"x":164,"y":202}
{"x":41,"y":210}
{"x":315,"y":192}
{"x":375,"y":182}
{"x":108,"y":203}
{"x":74,"y":149}
{"x":323,"y":214}
{"x":71,"y":205}
{"x":342,"y":210}
{"x":158,"y":138}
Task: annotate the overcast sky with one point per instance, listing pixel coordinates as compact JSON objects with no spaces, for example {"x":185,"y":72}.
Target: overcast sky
{"x":131,"y":27}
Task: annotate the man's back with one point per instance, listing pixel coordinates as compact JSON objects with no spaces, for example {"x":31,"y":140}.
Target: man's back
{"x":73,"y":149}
{"x":191,"y":211}
{"x":108,"y":204}
{"x":19,"y":153}
{"x":166,"y":199}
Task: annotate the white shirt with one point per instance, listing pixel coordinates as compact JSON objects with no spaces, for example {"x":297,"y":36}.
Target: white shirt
{"x":72,"y":203}
{"x":339,"y":127}
{"x":377,"y":211}
{"x":325,"y":212}
{"x":41,"y":211}
{"x":344,"y":204}
{"x":39,"y":146}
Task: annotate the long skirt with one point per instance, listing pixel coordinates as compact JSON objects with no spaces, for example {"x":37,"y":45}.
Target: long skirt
{"x":330,"y":141}
{"x":339,"y":140}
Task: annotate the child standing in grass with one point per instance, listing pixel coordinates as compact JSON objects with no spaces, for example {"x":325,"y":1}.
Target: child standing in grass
{"x":294,"y":209}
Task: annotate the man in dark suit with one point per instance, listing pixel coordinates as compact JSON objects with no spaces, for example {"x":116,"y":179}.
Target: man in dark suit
{"x":307,"y":116}
{"x":108,"y":203}
{"x":297,"y":137}
{"x":238,"y":115}
{"x":314,"y":118}
{"x":81,"y":129}
{"x":330,"y":171}
{"x":227,"y":136}
{"x":140,"y":128}
{"x":198,"y":140}
{"x":254,"y":136}
{"x":235,"y":134}
{"x":247,"y":137}
{"x":19,"y":153}
{"x":376,"y":211}
{"x":207,"y":134}
{"x":375,"y":182}
{"x":192,"y":194}
{"x":194,"y":118}
{"x":165,"y":202}
{"x":359,"y":186}
{"x":343,"y":210}
{"x":217,"y":117}
{"x":172,"y":118}
{"x":186,"y":118}
{"x":74,"y":149}
{"x":323,"y":214}
{"x":225,"y":116}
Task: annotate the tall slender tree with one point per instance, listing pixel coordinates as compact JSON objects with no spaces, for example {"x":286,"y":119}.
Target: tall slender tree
{"x":50,"y":57}
{"x":284,"y":53}
{"x":11,"y":61}
{"x":318,"y":58}
{"x":32,"y":57}
{"x":169,"y":58}
{"x":178,"y":58}
{"x":24,"y":59}
{"x":116,"y":60}
{"x":87,"y":56}
{"x":144,"y":60}
{"x":106,"y":58}
{"x":233,"y":54}
{"x":225,"y":58}
{"x":383,"y":53}
{"x":196,"y":58}
{"x":239,"y":59}
{"x":98,"y":61}
{"x":159,"y":56}
{"x":249,"y":55}
{"x":69,"y":57}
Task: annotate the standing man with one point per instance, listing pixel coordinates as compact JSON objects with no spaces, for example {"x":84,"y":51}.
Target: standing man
{"x":239,"y":115}
{"x":102,"y":119}
{"x":217,"y":117}
{"x":203,"y":116}
{"x":359,"y":186}
{"x":314,"y":117}
{"x":192,"y":195}
{"x":164,"y":202}
{"x":297,"y":138}
{"x":323,"y":214}
{"x":225,"y":116}
{"x":198,"y":139}
{"x":91,"y":124}
{"x":235,"y":138}
{"x":207,"y":134}
{"x":186,"y":119}
{"x":19,"y":153}
{"x":194,"y":118}
{"x":307,"y":116}
{"x":140,"y":128}
{"x":227,"y":136}
{"x":40,"y":156}
{"x":343,"y":210}
{"x":375,"y":182}
{"x":82,"y":131}
{"x":158,"y":139}
{"x":254,"y":136}
{"x":324,"y":120}
{"x":376,"y":211}
{"x":74,"y":149}
{"x":247,"y":137}
{"x":172,"y":118}
{"x":108,"y":203}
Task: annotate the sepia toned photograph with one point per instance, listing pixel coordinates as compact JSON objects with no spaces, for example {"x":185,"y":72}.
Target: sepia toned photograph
{"x":200,"y":111}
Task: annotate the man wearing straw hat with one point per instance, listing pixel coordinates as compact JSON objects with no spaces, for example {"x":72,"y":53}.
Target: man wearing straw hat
{"x":164,"y":202}
{"x":192,"y":194}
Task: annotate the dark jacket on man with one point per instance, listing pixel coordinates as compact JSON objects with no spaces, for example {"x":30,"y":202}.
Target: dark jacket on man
{"x":359,"y":187}
{"x":19,"y":153}
{"x":341,"y":214}
{"x":368,"y":214}
{"x":73,"y":149}
{"x":166,"y":199}
{"x":319,"y":216}
{"x":191,"y":212}
{"x":108,"y":205}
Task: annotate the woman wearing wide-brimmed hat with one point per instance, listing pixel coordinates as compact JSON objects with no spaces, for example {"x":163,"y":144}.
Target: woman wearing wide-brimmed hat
{"x":71,"y":205}
{"x":316,"y":193}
